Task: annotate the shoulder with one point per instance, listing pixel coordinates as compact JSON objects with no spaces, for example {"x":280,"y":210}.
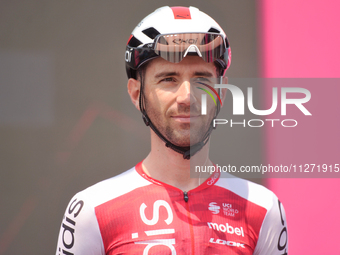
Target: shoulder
{"x":112,"y":188}
{"x":80,"y":232}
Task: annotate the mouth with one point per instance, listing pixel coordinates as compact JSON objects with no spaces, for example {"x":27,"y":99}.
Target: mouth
{"x":185,"y":118}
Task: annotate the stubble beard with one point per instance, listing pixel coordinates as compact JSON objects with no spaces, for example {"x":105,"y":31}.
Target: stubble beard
{"x":180,"y":134}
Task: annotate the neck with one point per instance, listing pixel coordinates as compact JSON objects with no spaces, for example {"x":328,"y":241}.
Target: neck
{"x":170,"y":167}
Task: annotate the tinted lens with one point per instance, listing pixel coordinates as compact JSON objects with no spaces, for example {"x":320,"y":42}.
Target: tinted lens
{"x":174,"y":47}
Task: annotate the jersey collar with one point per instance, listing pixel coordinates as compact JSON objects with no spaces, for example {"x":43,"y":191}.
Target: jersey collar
{"x":209,"y":182}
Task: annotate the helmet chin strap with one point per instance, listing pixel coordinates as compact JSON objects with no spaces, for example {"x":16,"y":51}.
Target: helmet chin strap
{"x":187,"y":151}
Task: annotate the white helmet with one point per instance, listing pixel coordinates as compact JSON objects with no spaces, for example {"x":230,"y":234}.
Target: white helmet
{"x":174,"y":32}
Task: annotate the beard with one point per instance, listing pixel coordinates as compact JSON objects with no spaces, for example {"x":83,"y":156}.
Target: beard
{"x":180,"y":134}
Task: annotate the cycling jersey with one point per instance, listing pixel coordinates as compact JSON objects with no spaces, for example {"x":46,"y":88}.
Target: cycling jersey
{"x":133,"y":213}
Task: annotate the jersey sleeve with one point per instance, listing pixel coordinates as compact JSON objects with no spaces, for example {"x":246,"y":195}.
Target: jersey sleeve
{"x":79,"y":232}
{"x":273,"y":237}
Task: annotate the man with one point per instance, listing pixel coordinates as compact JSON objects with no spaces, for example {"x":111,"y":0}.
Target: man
{"x":156,"y":207}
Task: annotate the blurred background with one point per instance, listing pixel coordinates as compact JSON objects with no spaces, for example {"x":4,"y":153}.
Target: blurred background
{"x":66,"y":121}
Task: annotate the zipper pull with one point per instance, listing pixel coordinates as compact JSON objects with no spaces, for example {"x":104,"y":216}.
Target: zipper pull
{"x":186,"y":198}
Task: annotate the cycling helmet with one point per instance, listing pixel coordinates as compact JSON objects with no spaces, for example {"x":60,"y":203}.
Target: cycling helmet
{"x":173,"y":33}
{"x":168,"y":32}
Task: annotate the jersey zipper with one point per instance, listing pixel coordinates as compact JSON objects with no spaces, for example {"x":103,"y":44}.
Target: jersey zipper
{"x":186,"y":199}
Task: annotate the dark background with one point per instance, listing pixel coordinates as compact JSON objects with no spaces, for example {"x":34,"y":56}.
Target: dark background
{"x":66,"y":121}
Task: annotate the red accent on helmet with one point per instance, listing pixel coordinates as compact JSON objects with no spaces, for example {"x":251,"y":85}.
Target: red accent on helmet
{"x":181,"y":12}
{"x":129,"y":39}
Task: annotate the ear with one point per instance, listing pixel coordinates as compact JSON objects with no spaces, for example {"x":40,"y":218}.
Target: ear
{"x":133,"y":87}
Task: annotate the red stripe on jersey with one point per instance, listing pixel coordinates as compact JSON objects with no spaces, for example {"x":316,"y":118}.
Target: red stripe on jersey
{"x":181,"y":12}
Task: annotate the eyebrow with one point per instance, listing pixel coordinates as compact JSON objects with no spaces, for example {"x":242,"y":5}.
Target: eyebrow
{"x":197,"y":73}
{"x":204,"y":74}
{"x":164,"y":74}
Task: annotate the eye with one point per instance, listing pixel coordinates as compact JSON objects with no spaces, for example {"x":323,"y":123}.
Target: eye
{"x":203,"y":81}
{"x":168,"y":79}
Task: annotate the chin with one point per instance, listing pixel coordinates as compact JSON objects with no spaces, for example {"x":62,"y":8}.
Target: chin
{"x":185,"y":137}
{"x":185,"y":141}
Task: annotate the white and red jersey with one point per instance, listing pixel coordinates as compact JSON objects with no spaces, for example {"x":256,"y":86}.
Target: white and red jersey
{"x":135,"y":214}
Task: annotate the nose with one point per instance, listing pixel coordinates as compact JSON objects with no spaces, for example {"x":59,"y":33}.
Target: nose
{"x":185,"y":96}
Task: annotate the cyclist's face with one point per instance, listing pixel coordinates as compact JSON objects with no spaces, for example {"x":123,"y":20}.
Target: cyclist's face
{"x":170,"y":102}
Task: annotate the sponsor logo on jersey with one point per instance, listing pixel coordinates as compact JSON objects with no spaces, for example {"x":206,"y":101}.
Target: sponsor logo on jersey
{"x":213,"y":178}
{"x":228,"y":243}
{"x":68,"y":226}
{"x":228,"y":210}
{"x":214,"y":208}
{"x":226,"y":228}
{"x":159,"y":232}
{"x":282,"y":241}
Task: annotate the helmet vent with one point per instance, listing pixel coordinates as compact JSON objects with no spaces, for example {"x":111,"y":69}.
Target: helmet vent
{"x":151,"y":32}
{"x":134,"y":42}
{"x":214,"y":30}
